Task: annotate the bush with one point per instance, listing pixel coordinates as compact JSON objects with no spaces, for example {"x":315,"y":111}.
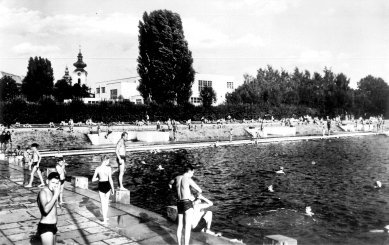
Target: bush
{"x":48,"y":111}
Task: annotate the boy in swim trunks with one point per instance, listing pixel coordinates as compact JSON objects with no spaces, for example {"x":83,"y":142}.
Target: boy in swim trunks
{"x":202,"y":220}
{"x":103,"y":174}
{"x":182,"y":184}
{"x":60,"y":167}
{"x":47,"y":198}
{"x":36,"y":159}
{"x":121,"y":158}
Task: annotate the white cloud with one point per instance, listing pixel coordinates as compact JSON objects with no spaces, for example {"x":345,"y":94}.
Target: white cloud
{"x":201,"y":35}
{"x":30,"y":49}
{"x":256,"y":7}
{"x":315,"y":56}
{"x":28,"y":22}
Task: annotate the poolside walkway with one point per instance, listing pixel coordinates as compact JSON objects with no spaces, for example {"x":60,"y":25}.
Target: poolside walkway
{"x":79,"y":219}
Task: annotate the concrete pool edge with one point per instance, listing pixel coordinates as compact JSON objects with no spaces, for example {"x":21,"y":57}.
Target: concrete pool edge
{"x":140,"y":214}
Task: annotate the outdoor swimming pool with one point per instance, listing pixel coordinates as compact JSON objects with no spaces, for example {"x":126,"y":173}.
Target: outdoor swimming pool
{"x":334,"y":176}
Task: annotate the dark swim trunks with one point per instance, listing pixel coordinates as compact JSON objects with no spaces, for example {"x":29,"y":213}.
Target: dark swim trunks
{"x":104,"y":186}
{"x":200,"y":226}
{"x":122,"y":157}
{"x":62,"y":181}
{"x":34,"y":164}
{"x":43,"y":228}
{"x":183,"y":205}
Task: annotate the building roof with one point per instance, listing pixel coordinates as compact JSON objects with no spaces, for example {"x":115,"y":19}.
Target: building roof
{"x":127,"y":79}
{"x":17,"y":78}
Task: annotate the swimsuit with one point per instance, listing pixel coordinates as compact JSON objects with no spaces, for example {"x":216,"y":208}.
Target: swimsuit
{"x":183,"y":205}
{"x":121,"y":157}
{"x":201,"y":225}
{"x":104,"y":186}
{"x":62,"y":181}
{"x":43,"y":228}
{"x":34,"y":164}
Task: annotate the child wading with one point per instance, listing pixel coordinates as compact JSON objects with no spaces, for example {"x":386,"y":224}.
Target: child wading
{"x":36,"y":159}
{"x":103,"y":174}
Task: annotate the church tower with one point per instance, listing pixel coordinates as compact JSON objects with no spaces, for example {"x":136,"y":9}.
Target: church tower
{"x":67,"y":77}
{"x":79,"y":74}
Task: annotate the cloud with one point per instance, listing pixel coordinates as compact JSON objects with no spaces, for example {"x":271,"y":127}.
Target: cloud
{"x":201,"y":35}
{"x":256,"y":7}
{"x":315,"y":56}
{"x":30,"y":49}
{"x":22,"y":21}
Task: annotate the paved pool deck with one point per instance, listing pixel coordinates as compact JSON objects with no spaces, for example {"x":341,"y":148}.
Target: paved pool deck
{"x":79,"y":218}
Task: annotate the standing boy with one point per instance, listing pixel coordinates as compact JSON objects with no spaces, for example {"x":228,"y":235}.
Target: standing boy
{"x":36,"y":160}
{"x":182,"y":185}
{"x":121,"y":158}
{"x":60,"y":168}
{"x":47,"y":198}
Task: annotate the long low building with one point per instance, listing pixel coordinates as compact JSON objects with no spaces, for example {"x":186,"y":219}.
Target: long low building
{"x":126,"y":89}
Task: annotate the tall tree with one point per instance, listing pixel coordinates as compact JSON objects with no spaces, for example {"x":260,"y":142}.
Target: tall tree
{"x":39,"y":80}
{"x":164,"y":61}
{"x":208,"y":96}
{"x":80,"y":91}
{"x":8,"y":89}
{"x":62,"y":90}
{"x":375,"y":92}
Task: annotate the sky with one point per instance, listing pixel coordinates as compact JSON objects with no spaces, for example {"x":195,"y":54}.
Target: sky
{"x":226,"y":37}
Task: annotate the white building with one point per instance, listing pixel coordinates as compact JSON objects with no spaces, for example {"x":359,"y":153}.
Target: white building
{"x":126,"y":89}
{"x":119,"y":89}
{"x":220,"y":84}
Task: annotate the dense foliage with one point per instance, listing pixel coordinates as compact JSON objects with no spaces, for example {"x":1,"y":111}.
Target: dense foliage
{"x":8,"y":89}
{"x":327,"y":94}
{"x":207,"y":96}
{"x":39,"y":80}
{"x":165,"y":61}
{"x":63,"y":90}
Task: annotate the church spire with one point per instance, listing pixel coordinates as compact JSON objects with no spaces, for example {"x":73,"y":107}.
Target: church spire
{"x":67,"y":77}
{"x":80,"y":65}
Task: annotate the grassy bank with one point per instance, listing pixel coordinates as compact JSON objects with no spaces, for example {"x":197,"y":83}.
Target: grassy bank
{"x":54,"y":139}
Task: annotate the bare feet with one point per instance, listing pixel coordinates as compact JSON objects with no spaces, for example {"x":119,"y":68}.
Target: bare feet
{"x":41,"y":185}
{"x":28,"y":186}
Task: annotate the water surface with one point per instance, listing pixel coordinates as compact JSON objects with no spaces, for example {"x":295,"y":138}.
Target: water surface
{"x":335,"y":177}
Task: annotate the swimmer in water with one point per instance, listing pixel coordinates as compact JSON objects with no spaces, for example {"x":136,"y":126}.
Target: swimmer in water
{"x":377,"y":184}
{"x":281,"y":171}
{"x":308,"y":211}
{"x":270,"y":188}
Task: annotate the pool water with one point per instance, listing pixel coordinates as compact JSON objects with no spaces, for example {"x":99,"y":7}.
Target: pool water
{"x":334,"y":177}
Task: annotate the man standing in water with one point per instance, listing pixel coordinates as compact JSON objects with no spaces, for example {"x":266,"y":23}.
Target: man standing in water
{"x":47,"y":198}
{"x":121,"y":158}
{"x":184,"y":203}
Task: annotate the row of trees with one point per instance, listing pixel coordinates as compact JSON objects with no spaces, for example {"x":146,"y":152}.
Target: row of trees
{"x":166,"y":77}
{"x":327,"y":94}
{"x":39,"y":84}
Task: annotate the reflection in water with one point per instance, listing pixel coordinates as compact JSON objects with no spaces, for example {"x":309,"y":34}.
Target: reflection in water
{"x":338,"y":187}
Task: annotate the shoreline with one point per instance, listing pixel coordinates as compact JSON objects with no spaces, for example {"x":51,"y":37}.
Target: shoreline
{"x":63,"y":140}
